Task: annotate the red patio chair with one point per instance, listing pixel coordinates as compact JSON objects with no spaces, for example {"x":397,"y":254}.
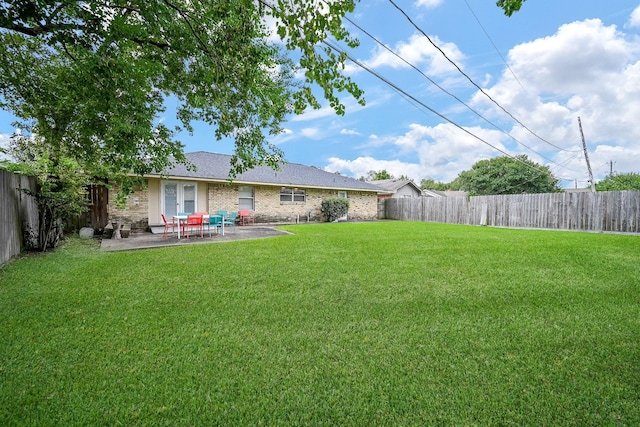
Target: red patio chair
{"x":169,"y":225}
{"x":194,"y":221}
{"x":246,"y":217}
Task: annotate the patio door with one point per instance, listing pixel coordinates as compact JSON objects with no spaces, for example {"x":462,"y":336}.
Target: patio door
{"x":178,"y":196}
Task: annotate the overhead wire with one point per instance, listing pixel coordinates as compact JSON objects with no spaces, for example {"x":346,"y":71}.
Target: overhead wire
{"x":422,"y":104}
{"x":486,"y":33}
{"x":417,"y":101}
{"x":469,"y":78}
{"x":446,"y":91}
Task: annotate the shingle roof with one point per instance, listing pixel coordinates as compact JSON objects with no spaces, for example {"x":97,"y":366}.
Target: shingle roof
{"x":395,"y":184}
{"x":216,"y":167}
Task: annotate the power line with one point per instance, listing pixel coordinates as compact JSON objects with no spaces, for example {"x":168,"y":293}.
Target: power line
{"x":469,"y":78}
{"x":413,"y":98}
{"x":494,"y":45}
{"x":446,"y":91}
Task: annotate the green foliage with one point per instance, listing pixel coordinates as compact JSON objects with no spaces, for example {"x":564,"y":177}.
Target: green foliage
{"x":431,"y":184}
{"x":623,"y":181}
{"x":62,"y":181}
{"x":377,"y":175}
{"x":334,"y":208}
{"x":91,"y":78}
{"x":356,"y":324}
{"x":506,"y":175}
{"x":510,"y":6}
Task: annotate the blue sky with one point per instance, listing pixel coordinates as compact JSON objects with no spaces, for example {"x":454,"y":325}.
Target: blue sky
{"x":544,"y":67}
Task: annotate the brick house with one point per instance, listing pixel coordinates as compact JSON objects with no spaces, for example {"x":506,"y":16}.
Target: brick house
{"x":293,"y":193}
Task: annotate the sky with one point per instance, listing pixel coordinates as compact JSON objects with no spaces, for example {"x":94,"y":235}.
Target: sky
{"x":458,"y":82}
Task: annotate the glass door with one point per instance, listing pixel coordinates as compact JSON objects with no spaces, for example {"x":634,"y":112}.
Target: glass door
{"x":178,"y":197}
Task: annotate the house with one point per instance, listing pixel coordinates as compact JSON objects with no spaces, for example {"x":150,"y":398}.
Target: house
{"x":397,"y":188}
{"x":293,"y":193}
{"x":446,"y":193}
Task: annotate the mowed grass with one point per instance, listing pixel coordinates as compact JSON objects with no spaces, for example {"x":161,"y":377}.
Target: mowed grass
{"x":385,"y":323}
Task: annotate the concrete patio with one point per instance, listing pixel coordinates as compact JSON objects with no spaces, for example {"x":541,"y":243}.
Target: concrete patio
{"x":155,"y":239}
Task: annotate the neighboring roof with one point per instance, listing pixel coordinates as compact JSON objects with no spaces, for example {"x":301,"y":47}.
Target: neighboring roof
{"x":216,"y":167}
{"x":395,"y":184}
{"x":432,"y":193}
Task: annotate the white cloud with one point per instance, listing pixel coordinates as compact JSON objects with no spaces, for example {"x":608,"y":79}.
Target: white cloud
{"x":417,"y":51}
{"x":634,"y":19}
{"x":441,"y":152}
{"x":349,"y":132}
{"x":311,"y":132}
{"x":429,"y":4}
{"x":585,"y":70}
{"x":4,"y":143}
{"x":362,"y":165}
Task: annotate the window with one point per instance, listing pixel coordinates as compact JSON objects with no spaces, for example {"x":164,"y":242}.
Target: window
{"x":290,"y":195}
{"x":342,"y":194}
{"x":245,"y":198}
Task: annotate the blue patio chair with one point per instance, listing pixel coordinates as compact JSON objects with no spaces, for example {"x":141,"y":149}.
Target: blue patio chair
{"x":231,"y":220}
{"x":215,"y":221}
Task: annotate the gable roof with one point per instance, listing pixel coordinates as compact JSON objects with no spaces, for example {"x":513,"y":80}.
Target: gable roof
{"x":216,"y":167}
{"x":395,"y":184}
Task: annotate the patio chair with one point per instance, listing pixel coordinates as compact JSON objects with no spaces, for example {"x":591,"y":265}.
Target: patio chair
{"x":223,"y":213}
{"x":194,"y":221}
{"x":169,"y":225}
{"x":246,"y":217}
{"x":183,"y":222}
{"x":215,"y":221}
{"x":231,"y":220}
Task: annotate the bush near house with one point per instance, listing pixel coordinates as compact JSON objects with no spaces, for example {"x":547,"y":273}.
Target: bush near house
{"x":334,"y":208}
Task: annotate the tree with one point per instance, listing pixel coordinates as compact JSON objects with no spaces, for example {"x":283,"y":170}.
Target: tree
{"x":620,"y":182}
{"x":508,"y":175}
{"x":431,"y":184}
{"x":510,"y":6}
{"x":60,"y":191}
{"x":91,"y":78}
{"x":377,"y":175}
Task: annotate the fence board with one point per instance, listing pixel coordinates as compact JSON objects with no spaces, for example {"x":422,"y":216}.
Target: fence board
{"x":18,"y":211}
{"x":617,"y":211}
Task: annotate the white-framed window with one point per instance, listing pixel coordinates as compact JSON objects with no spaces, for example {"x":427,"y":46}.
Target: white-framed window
{"x":342,"y":194}
{"x":178,"y":196}
{"x":246,"y":198}
{"x":290,"y":195}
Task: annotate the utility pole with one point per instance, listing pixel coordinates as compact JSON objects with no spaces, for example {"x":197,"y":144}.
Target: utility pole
{"x":586,"y":157}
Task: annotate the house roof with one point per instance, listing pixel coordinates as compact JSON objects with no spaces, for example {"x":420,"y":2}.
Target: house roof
{"x":216,"y":167}
{"x":395,"y":184}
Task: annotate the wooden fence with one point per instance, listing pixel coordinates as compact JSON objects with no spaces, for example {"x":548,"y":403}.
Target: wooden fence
{"x":616,"y":211}
{"x":19,"y":214}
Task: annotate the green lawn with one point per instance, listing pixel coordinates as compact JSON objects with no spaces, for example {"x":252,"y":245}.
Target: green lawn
{"x":386,"y":323}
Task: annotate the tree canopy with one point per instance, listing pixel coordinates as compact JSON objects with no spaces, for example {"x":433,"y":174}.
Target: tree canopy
{"x":431,"y":184}
{"x":508,"y":175}
{"x":376,"y":175}
{"x":620,"y":182}
{"x":510,"y":6}
{"x":91,"y":78}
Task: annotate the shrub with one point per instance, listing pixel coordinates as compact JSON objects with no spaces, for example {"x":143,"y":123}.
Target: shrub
{"x":334,"y":208}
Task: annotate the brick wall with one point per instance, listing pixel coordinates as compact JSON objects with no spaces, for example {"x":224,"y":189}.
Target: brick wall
{"x":269,"y":208}
{"x":136,"y":210}
{"x":222,"y":196}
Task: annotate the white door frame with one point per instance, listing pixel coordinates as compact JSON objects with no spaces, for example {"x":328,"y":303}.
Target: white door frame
{"x":180,"y":196}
